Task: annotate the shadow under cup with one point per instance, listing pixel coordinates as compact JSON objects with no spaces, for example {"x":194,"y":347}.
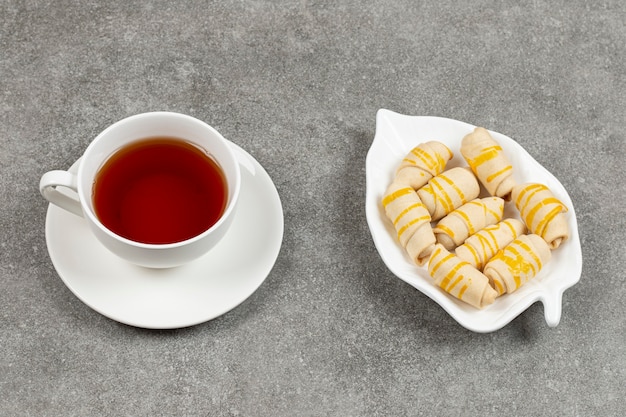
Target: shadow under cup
{"x":162,"y":137}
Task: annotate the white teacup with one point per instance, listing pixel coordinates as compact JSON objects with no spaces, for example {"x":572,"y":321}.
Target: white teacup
{"x":124,"y":132}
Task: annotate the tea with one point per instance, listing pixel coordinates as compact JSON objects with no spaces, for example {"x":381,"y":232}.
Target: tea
{"x":159,"y":190}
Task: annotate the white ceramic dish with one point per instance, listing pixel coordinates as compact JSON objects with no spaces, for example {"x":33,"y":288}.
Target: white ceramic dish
{"x":396,"y":135}
{"x":177,"y":297}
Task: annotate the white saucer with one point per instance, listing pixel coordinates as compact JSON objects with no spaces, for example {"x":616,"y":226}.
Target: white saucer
{"x":177,"y":297}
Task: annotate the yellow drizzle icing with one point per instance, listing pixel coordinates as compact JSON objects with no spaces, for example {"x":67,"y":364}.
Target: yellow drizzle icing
{"x":544,"y":222}
{"x":429,"y":189}
{"x":445,"y":229}
{"x":462,"y":290}
{"x":443,"y":197}
{"x":536,"y":187}
{"x":477,"y":260}
{"x":425,"y":157}
{"x":411,"y":223}
{"x":454,"y":283}
{"x":396,"y":194}
{"x":513,"y":231}
{"x":532,"y":254}
{"x":499,"y":288}
{"x":517,"y":263}
{"x":530,"y":216}
{"x":529,"y":212}
{"x":441,"y":162}
{"x":406,"y":210}
{"x":447,"y":283}
{"x":438,"y":264}
{"x":444,"y":282}
{"x":496,"y":174}
{"x":495,"y":214}
{"x":459,"y":192}
{"x":485,"y":155}
{"x":467,"y":220}
{"x":484,"y":240}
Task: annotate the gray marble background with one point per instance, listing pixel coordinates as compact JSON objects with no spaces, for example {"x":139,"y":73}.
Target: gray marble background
{"x":297,"y":84}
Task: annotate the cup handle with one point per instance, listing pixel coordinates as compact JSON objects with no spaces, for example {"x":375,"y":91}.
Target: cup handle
{"x":48,"y":188}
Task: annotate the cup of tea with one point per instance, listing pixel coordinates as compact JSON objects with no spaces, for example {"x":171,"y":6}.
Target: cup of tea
{"x":157,"y":189}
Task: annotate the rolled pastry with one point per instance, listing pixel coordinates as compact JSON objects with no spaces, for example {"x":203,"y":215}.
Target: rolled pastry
{"x":517,"y":263}
{"x":460,"y":279}
{"x":448,"y":191}
{"x":422,"y":163}
{"x":482,"y":246}
{"x":486,"y":159}
{"x":468,"y":219}
{"x":411,"y":221}
{"x":543,"y":213}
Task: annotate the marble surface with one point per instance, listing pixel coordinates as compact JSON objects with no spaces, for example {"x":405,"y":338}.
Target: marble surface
{"x":297,"y":84}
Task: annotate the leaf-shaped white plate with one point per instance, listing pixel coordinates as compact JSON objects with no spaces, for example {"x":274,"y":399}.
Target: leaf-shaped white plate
{"x":396,"y":135}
